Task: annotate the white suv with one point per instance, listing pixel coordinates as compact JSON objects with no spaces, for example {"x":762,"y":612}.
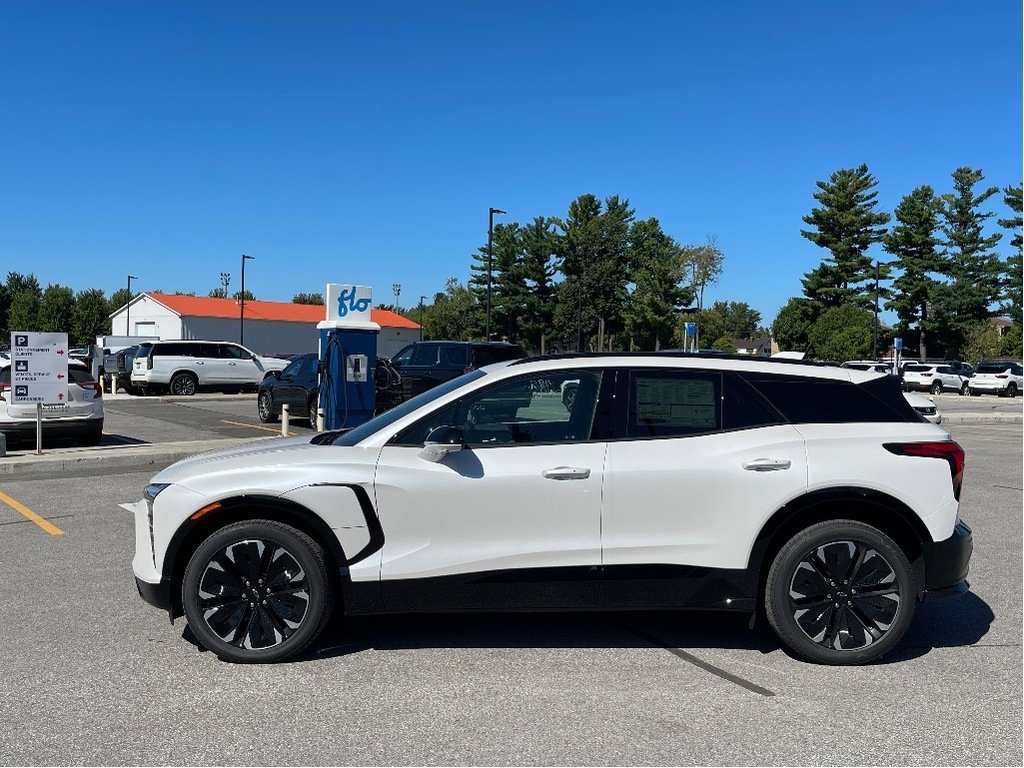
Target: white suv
{"x":80,"y":417}
{"x":185,"y":367}
{"x":934,"y":378}
{"x":813,"y":494}
{"x":1002,"y":377}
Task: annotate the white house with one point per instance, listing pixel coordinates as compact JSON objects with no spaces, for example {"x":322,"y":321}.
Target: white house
{"x":271,"y":327}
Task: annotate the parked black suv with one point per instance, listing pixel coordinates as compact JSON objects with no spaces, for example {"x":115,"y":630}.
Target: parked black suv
{"x":297,"y":385}
{"x":424,"y":364}
{"x":117,"y":369}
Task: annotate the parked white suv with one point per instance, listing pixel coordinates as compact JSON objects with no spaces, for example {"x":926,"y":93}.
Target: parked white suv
{"x":1002,"y":377}
{"x":813,"y":494}
{"x":79,"y":418}
{"x":184,"y":367}
{"x":934,"y":378}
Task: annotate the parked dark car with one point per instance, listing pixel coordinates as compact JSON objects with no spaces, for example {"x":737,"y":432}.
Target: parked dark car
{"x":297,"y":385}
{"x":117,"y":369}
{"x":424,"y":364}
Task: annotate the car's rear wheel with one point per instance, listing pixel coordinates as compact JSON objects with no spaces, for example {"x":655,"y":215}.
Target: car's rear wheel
{"x":183,"y":384}
{"x":92,"y":437}
{"x":1011,"y":389}
{"x":257,"y":591}
{"x":264,"y":407}
{"x":936,"y":387}
{"x":314,"y":403}
{"x":840,"y":592}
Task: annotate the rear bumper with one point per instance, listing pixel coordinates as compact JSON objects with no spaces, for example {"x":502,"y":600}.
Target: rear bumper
{"x":947,"y":563}
{"x":67,"y":427}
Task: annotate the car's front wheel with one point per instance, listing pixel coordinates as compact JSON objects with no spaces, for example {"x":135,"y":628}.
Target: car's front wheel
{"x":265,"y":407}
{"x":840,"y":592}
{"x":257,"y":591}
{"x":183,"y":384}
{"x":963,"y":389}
{"x":314,"y":403}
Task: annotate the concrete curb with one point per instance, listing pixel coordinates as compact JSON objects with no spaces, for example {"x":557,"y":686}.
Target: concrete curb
{"x":982,"y":418}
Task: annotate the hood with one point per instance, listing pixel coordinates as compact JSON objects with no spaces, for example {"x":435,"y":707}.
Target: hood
{"x":274,"y":465}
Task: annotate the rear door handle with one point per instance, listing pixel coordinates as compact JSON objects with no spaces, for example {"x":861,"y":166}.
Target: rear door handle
{"x":566,"y":473}
{"x":767,"y":465}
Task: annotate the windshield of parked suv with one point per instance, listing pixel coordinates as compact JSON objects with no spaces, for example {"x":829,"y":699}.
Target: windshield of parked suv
{"x":374,"y":425}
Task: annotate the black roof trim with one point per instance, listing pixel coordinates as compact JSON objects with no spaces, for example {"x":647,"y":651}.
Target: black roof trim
{"x":669,"y":353}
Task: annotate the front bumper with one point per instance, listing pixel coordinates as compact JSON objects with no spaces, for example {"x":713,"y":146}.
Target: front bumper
{"x":947,"y":563}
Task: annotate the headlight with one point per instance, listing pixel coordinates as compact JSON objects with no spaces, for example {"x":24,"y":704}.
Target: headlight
{"x":153,"y":490}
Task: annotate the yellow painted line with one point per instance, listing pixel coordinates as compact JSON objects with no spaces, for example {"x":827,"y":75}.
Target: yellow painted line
{"x":275,"y":430}
{"x":42,"y":522}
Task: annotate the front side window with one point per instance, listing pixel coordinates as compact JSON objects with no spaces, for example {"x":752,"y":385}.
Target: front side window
{"x":234,"y":352}
{"x":548,"y":407}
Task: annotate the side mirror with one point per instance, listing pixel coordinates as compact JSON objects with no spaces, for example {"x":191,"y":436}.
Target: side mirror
{"x":442,"y":441}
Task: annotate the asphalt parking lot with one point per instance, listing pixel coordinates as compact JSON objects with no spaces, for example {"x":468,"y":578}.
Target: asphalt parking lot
{"x":94,"y":675}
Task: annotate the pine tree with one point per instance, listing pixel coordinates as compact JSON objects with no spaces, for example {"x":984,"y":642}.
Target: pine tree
{"x":846,"y":224}
{"x":1012,"y":281}
{"x":914,"y":243}
{"x":656,"y":270}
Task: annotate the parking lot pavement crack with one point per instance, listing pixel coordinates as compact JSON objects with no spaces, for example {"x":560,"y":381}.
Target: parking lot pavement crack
{"x":1008,"y":487}
{"x":707,"y":667}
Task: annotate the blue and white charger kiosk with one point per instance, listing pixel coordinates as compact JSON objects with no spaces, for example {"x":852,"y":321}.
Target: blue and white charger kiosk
{"x":348,"y":355}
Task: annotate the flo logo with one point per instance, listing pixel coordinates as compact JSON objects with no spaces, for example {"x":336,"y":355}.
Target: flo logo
{"x":347,"y":302}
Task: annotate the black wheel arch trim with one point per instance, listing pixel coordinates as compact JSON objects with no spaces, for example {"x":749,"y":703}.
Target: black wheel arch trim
{"x":191,"y":534}
{"x":875,"y":508}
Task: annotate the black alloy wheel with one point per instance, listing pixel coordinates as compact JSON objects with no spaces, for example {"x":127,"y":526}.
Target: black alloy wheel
{"x":257,"y":591}
{"x":840,"y":592}
{"x":264,"y":407}
{"x":183,"y":384}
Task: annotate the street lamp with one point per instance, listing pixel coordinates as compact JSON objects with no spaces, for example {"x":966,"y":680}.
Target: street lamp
{"x":225,"y":281}
{"x":397,"y":289}
{"x":128,"y":308}
{"x":490,"y":237}
{"x":421,"y":317}
{"x":874,"y":336}
{"x":241,"y":306}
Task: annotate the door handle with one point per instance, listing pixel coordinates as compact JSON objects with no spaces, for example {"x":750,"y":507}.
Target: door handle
{"x":232,"y":363}
{"x":767,"y":465}
{"x":566,"y":473}
{"x":198,"y":362}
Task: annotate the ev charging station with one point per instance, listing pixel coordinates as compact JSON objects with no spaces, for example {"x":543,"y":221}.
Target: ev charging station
{"x":348,"y":356}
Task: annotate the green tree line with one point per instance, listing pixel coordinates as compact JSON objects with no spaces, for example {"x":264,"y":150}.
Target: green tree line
{"x":941,"y":272}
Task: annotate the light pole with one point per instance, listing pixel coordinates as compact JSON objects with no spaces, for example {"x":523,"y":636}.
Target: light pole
{"x":225,"y":281}
{"x":128,"y":308}
{"x":396,"y":288}
{"x":874,"y":336}
{"x":241,"y":306}
{"x":421,"y":317}
{"x":490,"y":237}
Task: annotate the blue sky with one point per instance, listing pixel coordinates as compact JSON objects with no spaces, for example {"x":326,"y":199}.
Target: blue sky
{"x":342,"y":142}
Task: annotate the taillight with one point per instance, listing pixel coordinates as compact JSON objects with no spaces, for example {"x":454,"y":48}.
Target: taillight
{"x":946,"y":449}
{"x":94,"y":387}
{"x":4,"y":388}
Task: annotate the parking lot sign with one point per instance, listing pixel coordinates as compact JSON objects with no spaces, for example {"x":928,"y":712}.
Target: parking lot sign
{"x":39,"y":370}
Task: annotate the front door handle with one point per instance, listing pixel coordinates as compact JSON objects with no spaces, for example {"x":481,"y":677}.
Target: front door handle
{"x":566,"y":473}
{"x":767,"y":465}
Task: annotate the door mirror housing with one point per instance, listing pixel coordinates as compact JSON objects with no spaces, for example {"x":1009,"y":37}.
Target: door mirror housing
{"x":442,"y":441}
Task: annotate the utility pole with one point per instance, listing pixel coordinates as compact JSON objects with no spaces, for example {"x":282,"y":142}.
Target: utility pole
{"x":490,"y":237}
{"x":421,"y":317}
{"x":128,"y":308}
{"x":241,"y":306}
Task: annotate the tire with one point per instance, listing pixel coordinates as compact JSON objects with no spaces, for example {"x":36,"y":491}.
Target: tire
{"x":963,"y":389}
{"x":183,"y":383}
{"x":825,"y":565}
{"x":936,"y":388}
{"x":1011,"y":389}
{"x":265,"y":407}
{"x":311,"y":406}
{"x":257,"y":591}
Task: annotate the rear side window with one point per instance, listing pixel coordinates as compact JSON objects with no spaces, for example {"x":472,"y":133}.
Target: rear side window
{"x":424,"y":354}
{"x":456,"y":357}
{"x":673,"y":403}
{"x":172,"y":349}
{"x":803,"y":400}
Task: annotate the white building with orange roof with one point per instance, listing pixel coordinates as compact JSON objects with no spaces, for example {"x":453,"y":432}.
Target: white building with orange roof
{"x":271,"y":327}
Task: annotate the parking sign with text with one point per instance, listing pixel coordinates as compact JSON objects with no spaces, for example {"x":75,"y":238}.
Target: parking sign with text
{"x":39,"y":367}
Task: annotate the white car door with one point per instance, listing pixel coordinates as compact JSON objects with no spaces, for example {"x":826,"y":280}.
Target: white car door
{"x":239,"y":365}
{"x":513,"y":519}
{"x":699,"y":463}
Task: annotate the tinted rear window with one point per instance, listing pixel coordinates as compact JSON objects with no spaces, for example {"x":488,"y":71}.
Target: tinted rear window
{"x":828,"y":401}
{"x":79,"y":375}
{"x":992,"y":368}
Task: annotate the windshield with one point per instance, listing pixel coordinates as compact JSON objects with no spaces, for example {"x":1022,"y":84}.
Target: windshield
{"x":360,"y":433}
